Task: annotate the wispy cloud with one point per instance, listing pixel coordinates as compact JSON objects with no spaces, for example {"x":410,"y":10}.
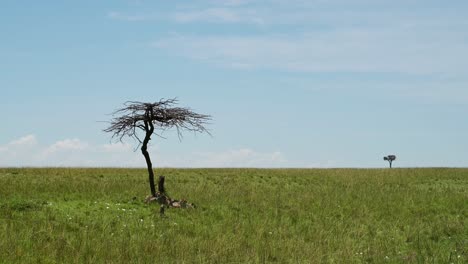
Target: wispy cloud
{"x":126,"y":17}
{"x":221,"y":15}
{"x":321,"y":36}
{"x":345,"y":51}
{"x":312,"y":14}
{"x":232,"y":2}
{"x":208,"y":15}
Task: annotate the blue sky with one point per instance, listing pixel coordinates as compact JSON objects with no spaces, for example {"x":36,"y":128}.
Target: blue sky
{"x":317,"y":83}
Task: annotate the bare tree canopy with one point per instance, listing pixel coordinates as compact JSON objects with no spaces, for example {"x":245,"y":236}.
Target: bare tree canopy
{"x":147,"y":117}
{"x":161,"y":115}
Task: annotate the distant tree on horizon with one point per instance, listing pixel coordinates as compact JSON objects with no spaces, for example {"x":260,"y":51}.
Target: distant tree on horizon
{"x":390,"y":159}
{"x":149,"y":117}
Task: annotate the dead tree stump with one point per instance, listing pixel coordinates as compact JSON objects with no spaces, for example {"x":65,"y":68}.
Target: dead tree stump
{"x":161,"y":188}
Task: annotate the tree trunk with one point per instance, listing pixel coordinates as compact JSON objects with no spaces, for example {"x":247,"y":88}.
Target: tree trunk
{"x":144,"y":149}
{"x":161,"y":188}
{"x":150,"y":168}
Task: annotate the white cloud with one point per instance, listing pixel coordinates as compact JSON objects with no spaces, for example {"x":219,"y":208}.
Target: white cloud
{"x":67,"y":145}
{"x":77,"y":153}
{"x":28,"y":140}
{"x":17,"y":151}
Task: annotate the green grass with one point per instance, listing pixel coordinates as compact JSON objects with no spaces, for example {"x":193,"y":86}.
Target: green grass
{"x":243,"y":216}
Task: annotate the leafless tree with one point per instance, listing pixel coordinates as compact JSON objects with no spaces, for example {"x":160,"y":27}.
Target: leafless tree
{"x":390,"y":159}
{"x":135,"y":117}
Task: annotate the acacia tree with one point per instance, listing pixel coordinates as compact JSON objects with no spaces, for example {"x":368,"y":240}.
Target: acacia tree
{"x":390,"y":159}
{"x":135,"y":117}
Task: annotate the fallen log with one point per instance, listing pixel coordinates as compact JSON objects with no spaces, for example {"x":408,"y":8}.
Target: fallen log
{"x":164,"y":200}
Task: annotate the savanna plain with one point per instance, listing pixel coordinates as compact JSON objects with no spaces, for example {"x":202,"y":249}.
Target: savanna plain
{"x":76,"y":215}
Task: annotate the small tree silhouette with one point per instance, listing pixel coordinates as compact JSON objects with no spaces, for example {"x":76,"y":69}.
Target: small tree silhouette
{"x":146,"y":117}
{"x":390,"y":159}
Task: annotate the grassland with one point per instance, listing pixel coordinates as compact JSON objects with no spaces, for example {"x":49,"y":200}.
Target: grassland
{"x":243,"y":216}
